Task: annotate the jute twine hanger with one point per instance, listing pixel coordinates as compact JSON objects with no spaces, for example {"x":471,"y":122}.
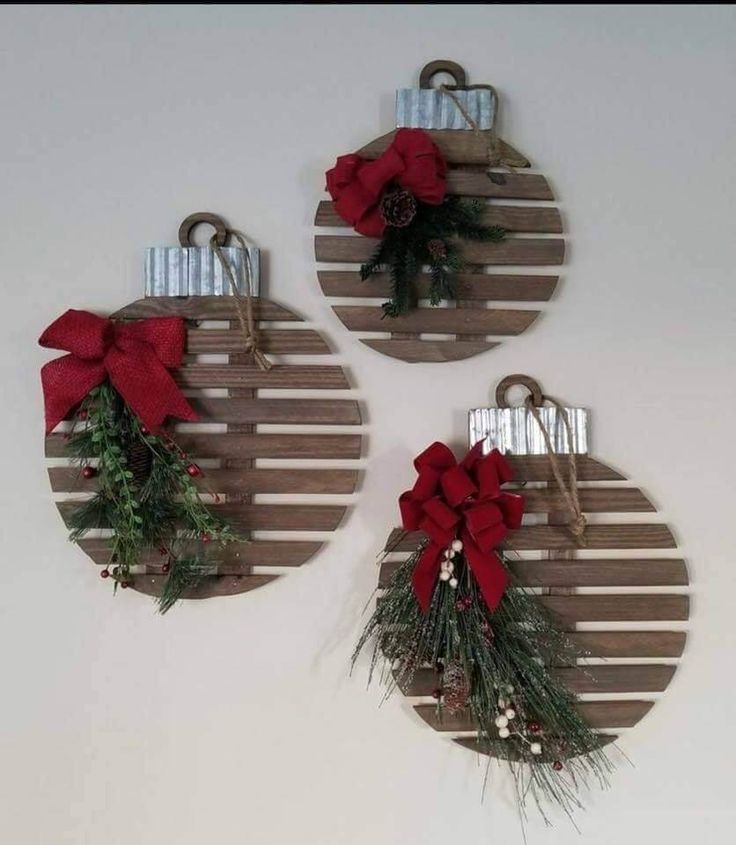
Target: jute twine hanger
{"x":243,"y":304}
{"x":568,"y":487}
{"x":500,"y":154}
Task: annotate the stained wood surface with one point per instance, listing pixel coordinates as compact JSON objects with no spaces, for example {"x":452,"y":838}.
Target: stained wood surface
{"x":293,"y":446}
{"x":513,"y":218}
{"x":598,"y":714}
{"x":467,"y":154}
{"x":254,"y":553}
{"x":470,"y":286}
{"x":237,"y":477}
{"x":611,"y":596}
{"x":527,"y":251}
{"x":483,"y":321}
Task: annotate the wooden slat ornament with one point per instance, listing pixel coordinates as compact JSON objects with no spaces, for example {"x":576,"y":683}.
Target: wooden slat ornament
{"x":511,"y":271}
{"x":623,"y":588}
{"x":228,"y":442}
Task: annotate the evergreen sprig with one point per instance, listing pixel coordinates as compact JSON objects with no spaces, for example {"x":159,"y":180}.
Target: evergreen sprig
{"x":430,"y":239}
{"x":505,"y":657}
{"x":159,"y":508}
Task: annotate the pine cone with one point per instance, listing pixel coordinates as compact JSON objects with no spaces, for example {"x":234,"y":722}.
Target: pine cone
{"x":139,"y":462}
{"x":437,"y":249}
{"x":398,"y":208}
{"x":455,"y":687}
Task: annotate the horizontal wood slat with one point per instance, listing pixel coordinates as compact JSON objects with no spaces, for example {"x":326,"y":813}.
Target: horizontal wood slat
{"x":476,"y":321}
{"x":495,"y":185}
{"x":458,"y":146}
{"x":653,"y":677}
{"x":553,"y":537}
{"x":479,"y":286}
{"x":263,"y":517}
{"x":216,"y":585}
{"x":513,"y":218}
{"x":300,"y":377}
{"x":598,"y":714}
{"x":203,"y":308}
{"x":278,"y":411}
{"x":274,"y":341}
{"x":539,"y":468}
{"x":630,"y":643}
{"x":644,"y":572}
{"x":624,"y":607}
{"x":428,"y":351}
{"x":289,"y":446}
{"x":235,"y":481}
{"x":254,"y":553}
{"x":521,"y":251}
{"x":472,"y":744}
{"x":592,"y":500}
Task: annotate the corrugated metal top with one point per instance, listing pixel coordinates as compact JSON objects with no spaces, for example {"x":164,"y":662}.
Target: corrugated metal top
{"x":196,"y":271}
{"x":516,"y":431}
{"x":430,"y":108}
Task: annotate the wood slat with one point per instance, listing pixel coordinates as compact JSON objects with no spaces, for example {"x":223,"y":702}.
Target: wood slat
{"x":470,"y":286}
{"x":217,"y":585}
{"x":481,"y":321}
{"x":419,"y":351}
{"x":302,"y":377}
{"x":598,"y":714}
{"x":630,"y":643}
{"x":289,"y":446}
{"x":496,"y":185}
{"x":644,"y":572}
{"x":592,"y":500}
{"x":273,"y":341}
{"x":519,"y":251}
{"x":278,"y":411}
{"x":652,"y":677}
{"x":235,"y":481}
{"x":472,"y":744}
{"x":254,"y":553}
{"x":539,"y":468}
{"x":546,"y":537}
{"x":513,"y":218}
{"x":203,"y":308}
{"x":458,"y":146}
{"x":263,"y":517}
{"x":623,"y":607}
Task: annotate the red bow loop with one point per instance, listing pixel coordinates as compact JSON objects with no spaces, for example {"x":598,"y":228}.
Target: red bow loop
{"x":135,"y":357}
{"x":452,"y":500}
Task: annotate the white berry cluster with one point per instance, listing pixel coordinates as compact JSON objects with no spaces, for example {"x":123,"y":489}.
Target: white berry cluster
{"x":507,"y":715}
{"x":447,"y":567}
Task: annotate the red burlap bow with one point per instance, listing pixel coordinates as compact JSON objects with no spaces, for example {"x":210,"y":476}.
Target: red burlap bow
{"x":461,"y":501}
{"x":135,"y":356}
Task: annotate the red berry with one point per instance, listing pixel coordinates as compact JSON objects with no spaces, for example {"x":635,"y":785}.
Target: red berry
{"x":557,"y":766}
{"x":144,"y":431}
{"x":206,"y":538}
{"x":460,"y":605}
{"x":89,"y":472}
{"x":166,"y":568}
{"x":125,"y":584}
{"x":82,"y":414}
{"x":534,"y":727}
{"x":437,"y":693}
{"x":105,"y":573}
{"x":193,"y":470}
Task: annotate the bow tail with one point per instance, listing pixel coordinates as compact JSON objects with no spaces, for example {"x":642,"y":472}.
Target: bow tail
{"x":424,"y":576}
{"x":489,"y":572}
{"x":66,"y":381}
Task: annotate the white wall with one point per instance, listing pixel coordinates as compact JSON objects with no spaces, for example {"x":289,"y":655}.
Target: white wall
{"x":235,"y":721}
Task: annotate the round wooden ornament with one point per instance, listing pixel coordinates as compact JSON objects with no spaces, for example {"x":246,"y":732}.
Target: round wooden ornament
{"x":497,"y":290}
{"x":622,"y":593}
{"x":274,"y":443}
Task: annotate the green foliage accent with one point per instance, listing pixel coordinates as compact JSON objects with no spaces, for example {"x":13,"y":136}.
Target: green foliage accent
{"x":510,"y":648}
{"x":160,"y":510}
{"x":403,"y":251}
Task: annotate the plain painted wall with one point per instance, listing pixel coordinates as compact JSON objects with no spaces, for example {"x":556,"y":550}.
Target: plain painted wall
{"x":235,"y":720}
